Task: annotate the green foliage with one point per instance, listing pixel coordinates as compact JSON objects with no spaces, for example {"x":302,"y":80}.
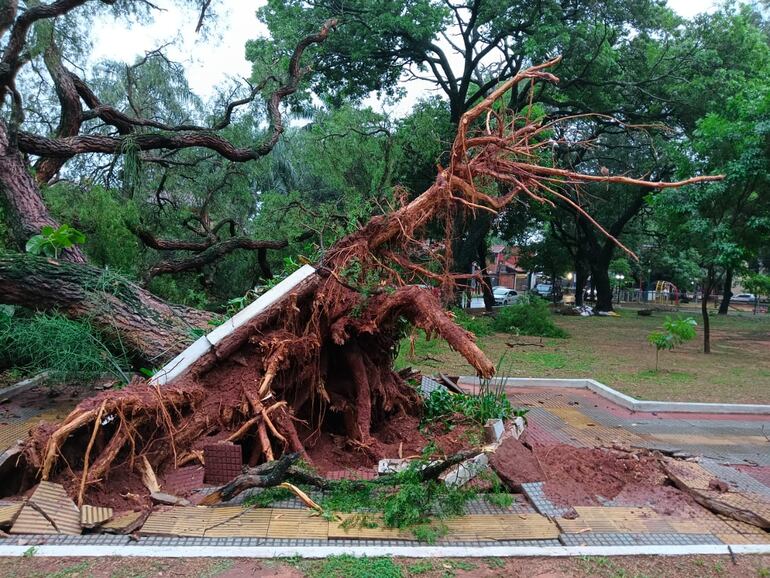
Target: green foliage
{"x":69,"y":350}
{"x":675,"y":332}
{"x":757,"y":283}
{"x":50,"y":242}
{"x":478,"y":408}
{"x":480,"y":326}
{"x":528,"y":316}
{"x":264,"y":498}
{"x":346,"y":566}
{"x":415,"y":503}
{"x":103,"y":215}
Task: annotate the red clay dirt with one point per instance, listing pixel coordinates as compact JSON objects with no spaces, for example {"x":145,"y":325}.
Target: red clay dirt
{"x":591,"y":476}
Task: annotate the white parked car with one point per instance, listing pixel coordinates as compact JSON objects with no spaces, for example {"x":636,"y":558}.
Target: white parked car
{"x":743,"y":298}
{"x":504,"y":296}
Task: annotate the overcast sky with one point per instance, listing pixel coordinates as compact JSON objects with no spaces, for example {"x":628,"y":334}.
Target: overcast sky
{"x":210,"y":59}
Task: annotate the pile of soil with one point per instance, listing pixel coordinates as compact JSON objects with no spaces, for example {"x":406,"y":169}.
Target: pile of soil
{"x":591,"y":476}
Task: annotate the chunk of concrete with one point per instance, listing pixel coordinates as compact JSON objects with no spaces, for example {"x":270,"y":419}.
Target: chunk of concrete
{"x":168,"y":499}
{"x":465,"y":471}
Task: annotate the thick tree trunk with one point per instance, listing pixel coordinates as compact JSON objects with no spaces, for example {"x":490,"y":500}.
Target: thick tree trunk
{"x":581,"y":277}
{"x":600,"y":276}
{"x":727,"y":293}
{"x":704,"y":309}
{"x":151,"y":329}
{"x":24,"y":207}
{"x":486,"y":282}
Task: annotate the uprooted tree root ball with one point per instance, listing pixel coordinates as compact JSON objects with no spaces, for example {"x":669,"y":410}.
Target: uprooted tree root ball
{"x":320,"y":360}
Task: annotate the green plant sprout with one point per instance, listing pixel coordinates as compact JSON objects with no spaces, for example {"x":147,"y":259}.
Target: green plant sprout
{"x":50,"y":242}
{"x":675,"y":332}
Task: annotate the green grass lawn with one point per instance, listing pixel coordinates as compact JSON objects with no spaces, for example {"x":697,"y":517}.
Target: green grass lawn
{"x":614,"y":350}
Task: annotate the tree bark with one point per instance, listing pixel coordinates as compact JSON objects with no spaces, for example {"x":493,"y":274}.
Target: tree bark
{"x":581,"y":277}
{"x":150,"y":329}
{"x":704,"y":309}
{"x":24,"y":207}
{"x":727,"y":293}
{"x":601,"y":280}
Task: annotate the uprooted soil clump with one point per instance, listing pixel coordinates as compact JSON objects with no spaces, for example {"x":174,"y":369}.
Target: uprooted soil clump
{"x":580,"y":476}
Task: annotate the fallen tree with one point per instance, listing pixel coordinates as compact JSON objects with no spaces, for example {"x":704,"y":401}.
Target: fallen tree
{"x":320,"y":360}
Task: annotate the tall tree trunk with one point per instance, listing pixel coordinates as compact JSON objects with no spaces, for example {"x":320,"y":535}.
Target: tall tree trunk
{"x":580,"y":284}
{"x":708,"y":285}
{"x":150,"y":329}
{"x":601,"y":280}
{"x":24,"y":207}
{"x":727,"y":294}
{"x":486,"y":282}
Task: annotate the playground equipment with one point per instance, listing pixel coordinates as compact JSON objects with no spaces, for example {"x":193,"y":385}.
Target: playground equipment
{"x":664,"y":290}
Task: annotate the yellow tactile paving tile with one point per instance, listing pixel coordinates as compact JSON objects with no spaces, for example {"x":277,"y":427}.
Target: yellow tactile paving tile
{"x":234,"y":521}
{"x":501,"y":527}
{"x":364,"y":526}
{"x":755,"y":503}
{"x":736,"y":538}
{"x":616,"y":520}
{"x":58,"y":508}
{"x":8,"y":513}
{"x":572,"y":416}
{"x":13,"y":432}
{"x":121,"y":521}
{"x":742,"y":527}
{"x":692,"y":474}
{"x":699,"y":440}
{"x":287,"y":523}
{"x":94,"y":515}
{"x":253,"y":523}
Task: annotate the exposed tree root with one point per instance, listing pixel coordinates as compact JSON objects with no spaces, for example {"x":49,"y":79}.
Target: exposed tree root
{"x":321,"y":358}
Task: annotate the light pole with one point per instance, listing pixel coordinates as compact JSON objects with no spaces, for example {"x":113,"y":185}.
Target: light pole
{"x":618,"y":282}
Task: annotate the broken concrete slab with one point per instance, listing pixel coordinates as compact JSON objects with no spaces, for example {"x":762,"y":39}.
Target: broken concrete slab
{"x":465,"y":471}
{"x":168,"y":499}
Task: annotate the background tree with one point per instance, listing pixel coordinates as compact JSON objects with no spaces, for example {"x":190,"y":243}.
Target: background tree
{"x":465,"y":48}
{"x":149,"y":125}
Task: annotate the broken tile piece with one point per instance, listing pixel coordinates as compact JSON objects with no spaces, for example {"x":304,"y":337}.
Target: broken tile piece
{"x":8,"y":513}
{"x":93,"y":516}
{"x":49,"y":510}
{"x":168,"y":499}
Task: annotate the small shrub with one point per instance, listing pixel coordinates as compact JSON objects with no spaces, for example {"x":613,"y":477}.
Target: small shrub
{"x":675,"y":332}
{"x":528,"y":316}
{"x":479,"y":326}
{"x":478,"y":408}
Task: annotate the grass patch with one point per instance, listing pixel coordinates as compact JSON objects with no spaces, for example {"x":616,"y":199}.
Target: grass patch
{"x":614,"y":350}
{"x":351,"y":567}
{"x":68,"y":350}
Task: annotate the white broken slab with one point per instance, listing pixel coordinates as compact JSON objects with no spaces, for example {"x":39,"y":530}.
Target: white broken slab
{"x":465,"y":471}
{"x":203,"y":345}
{"x":493,"y":430}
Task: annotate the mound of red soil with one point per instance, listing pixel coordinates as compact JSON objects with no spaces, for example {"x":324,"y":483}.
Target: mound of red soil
{"x":516,"y":464}
{"x":591,"y":476}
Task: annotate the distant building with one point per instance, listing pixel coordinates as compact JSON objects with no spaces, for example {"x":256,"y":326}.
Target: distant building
{"x":505,"y":270}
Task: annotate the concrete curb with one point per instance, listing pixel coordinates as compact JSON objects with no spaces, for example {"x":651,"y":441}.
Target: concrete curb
{"x":203,"y":345}
{"x":23,"y":385}
{"x":624,"y":400}
{"x":72,"y":551}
